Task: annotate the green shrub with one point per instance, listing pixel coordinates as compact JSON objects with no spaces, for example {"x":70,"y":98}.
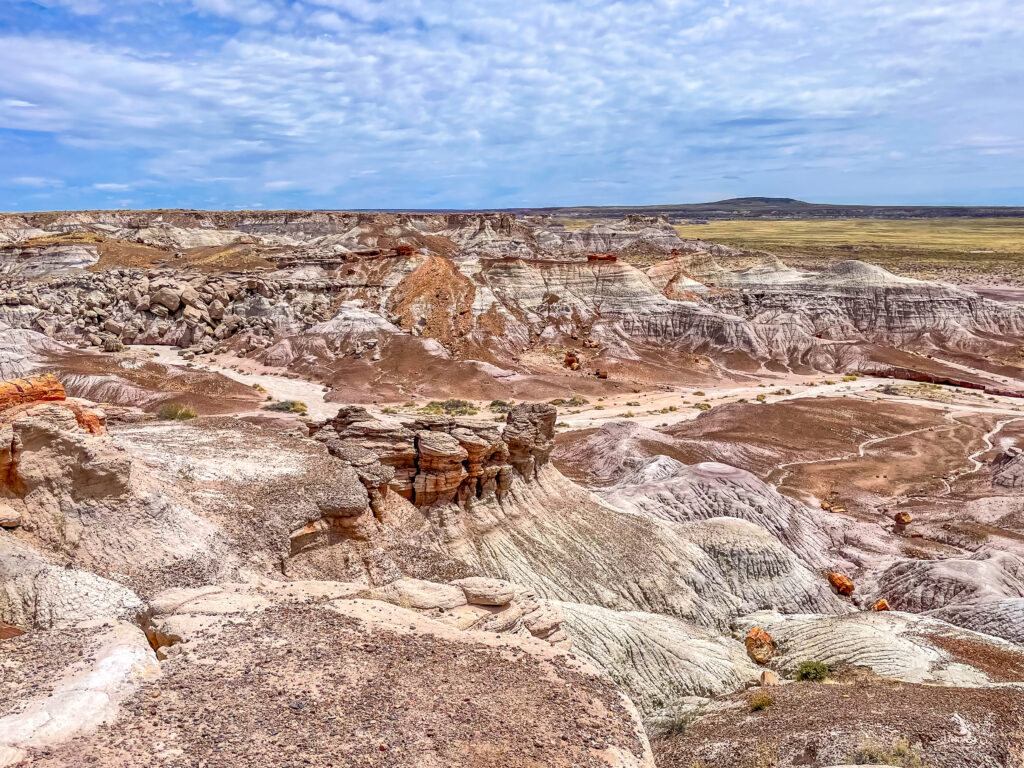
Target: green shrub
{"x":761,"y":701}
{"x":177,"y":412}
{"x":500,"y":406}
{"x":813,"y":671}
{"x":449,"y":408}
{"x":850,"y":377}
{"x":287,"y":406}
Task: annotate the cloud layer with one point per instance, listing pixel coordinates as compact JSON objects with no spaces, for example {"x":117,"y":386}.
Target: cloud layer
{"x":461,"y":103}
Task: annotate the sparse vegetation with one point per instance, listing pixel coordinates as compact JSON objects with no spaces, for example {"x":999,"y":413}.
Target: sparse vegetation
{"x":500,"y":406}
{"x":762,"y":398}
{"x":702,"y":406}
{"x":761,"y":701}
{"x":925,"y":248}
{"x":259,"y":388}
{"x":177,"y":412}
{"x":633,"y":403}
{"x":698,"y":393}
{"x":287,"y":406}
{"x":900,"y":753}
{"x":449,"y":408}
{"x":850,"y":377}
{"x":812,"y":671}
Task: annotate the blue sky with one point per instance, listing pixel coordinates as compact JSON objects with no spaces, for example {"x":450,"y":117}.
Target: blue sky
{"x":489,"y":103}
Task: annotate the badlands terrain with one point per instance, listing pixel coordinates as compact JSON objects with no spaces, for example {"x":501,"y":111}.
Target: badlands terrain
{"x":563,"y":488}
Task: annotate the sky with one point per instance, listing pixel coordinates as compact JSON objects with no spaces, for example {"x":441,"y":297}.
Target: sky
{"x":224,"y":104}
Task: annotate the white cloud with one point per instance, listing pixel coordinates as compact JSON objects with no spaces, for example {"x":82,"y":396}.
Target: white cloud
{"x":38,"y":182}
{"x":112,"y":187}
{"x":423,"y":98}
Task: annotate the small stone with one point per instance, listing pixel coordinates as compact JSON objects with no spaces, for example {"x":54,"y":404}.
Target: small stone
{"x":881,"y":605}
{"x":902,"y":518}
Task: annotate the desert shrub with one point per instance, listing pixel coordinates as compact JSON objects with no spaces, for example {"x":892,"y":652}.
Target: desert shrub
{"x":761,"y":701}
{"x":762,"y":397}
{"x":813,"y":671}
{"x":500,"y":406}
{"x":850,"y":377}
{"x":177,"y":412}
{"x":449,"y":408}
{"x":287,"y":406}
{"x":703,"y":406}
{"x":259,"y":387}
{"x":628,"y":415}
{"x":633,"y":403}
{"x":598,"y":407}
{"x":673,"y":408}
{"x":900,"y":753}
{"x":698,"y":393}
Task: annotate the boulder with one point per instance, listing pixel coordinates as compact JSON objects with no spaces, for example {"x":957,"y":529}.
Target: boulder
{"x":9,"y":518}
{"x":423,"y":595}
{"x":840,"y":583}
{"x":768,"y":678}
{"x":483,"y":591}
{"x":167,"y":297}
{"x":759,"y":645}
{"x":881,"y":605}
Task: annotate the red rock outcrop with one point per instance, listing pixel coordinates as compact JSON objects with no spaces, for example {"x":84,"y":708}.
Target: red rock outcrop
{"x":760,"y":646}
{"x":840,"y":583}
{"x":34,"y":389}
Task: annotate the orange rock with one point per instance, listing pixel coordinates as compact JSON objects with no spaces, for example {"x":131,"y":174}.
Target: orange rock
{"x":602,"y":374}
{"x":759,"y":644}
{"x":842,"y":584}
{"x":902,"y":518}
{"x":881,"y":605}
{"x":91,"y":421}
{"x":7,"y":631}
{"x":34,"y":389}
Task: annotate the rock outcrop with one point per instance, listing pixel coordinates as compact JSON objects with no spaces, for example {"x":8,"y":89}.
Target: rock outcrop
{"x":441,"y":460}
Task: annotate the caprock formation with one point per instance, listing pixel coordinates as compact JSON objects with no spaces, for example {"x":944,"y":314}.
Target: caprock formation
{"x":481,"y":490}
